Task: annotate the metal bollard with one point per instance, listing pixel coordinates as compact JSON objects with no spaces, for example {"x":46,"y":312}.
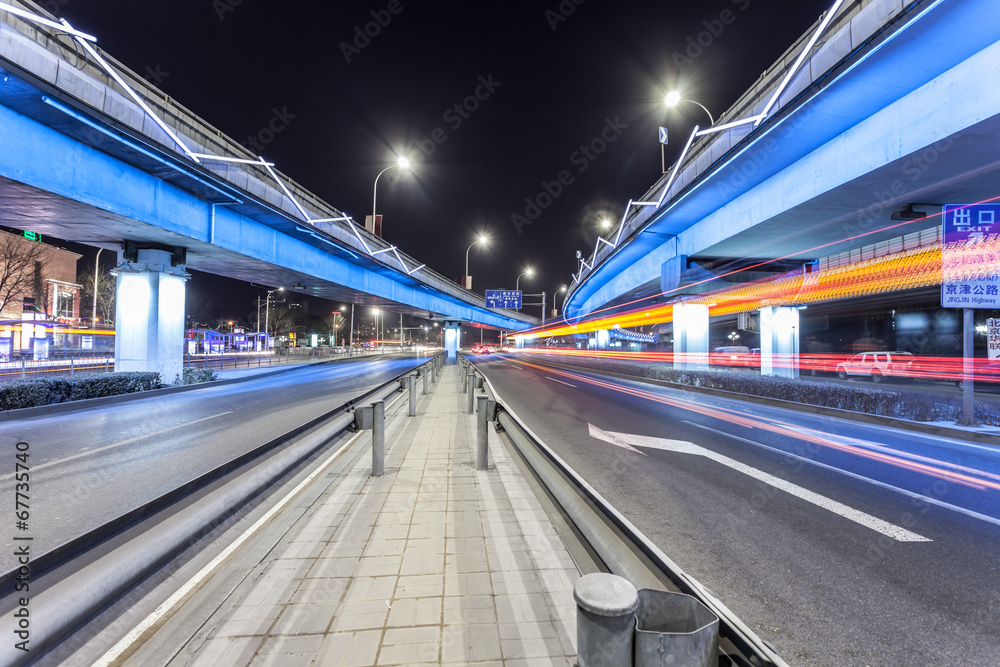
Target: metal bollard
{"x":482,"y":434}
{"x":413,"y":395}
{"x":605,"y":620}
{"x":471,"y":393}
{"x":465,"y":379}
{"x":378,"y":439}
{"x":425,"y":373}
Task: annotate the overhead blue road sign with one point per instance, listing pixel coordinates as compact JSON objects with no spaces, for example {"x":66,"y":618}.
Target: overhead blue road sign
{"x":970,"y":256}
{"x":503,"y":298}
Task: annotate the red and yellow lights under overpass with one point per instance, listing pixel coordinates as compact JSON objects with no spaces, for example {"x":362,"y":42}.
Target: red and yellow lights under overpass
{"x":920,"y":267}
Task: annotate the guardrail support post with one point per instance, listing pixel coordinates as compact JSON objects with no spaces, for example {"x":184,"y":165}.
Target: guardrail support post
{"x":22,"y":369}
{"x":482,"y":433}
{"x":72,"y":367}
{"x":378,"y":439}
{"x":471,"y":382}
{"x":465,"y":377}
{"x":413,"y":395}
{"x":605,"y":610}
{"x":425,"y":373}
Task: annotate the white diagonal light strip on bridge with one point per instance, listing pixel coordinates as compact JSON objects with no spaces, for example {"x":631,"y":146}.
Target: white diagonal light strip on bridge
{"x":897,"y":533}
{"x":119,"y":444}
{"x":44,"y":21}
{"x":131,"y":93}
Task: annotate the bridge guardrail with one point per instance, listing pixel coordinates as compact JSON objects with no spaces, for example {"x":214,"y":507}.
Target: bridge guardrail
{"x":696,"y":165}
{"x":624,"y":548}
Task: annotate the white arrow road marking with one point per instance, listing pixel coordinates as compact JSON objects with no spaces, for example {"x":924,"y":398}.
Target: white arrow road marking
{"x":560,"y":382}
{"x":629,"y":441}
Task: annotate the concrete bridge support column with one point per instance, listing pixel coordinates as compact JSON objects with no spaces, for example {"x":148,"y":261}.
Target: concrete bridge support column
{"x":149,"y":315}
{"x":602,"y":339}
{"x":519,"y":343}
{"x":691,"y":337}
{"x":452,"y":341}
{"x":779,"y":341}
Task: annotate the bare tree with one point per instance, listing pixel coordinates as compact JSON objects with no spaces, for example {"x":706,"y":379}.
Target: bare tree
{"x":106,"y":292}
{"x":280,"y":319}
{"x":20,"y":269}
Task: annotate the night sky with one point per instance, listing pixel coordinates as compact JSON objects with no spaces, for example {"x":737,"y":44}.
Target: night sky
{"x":492,"y":101}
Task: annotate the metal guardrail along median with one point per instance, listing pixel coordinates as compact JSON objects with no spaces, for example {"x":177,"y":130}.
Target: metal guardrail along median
{"x":625,"y":550}
{"x":72,"y":583}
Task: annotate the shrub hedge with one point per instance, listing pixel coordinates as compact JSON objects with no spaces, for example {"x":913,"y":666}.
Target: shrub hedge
{"x":17,"y":394}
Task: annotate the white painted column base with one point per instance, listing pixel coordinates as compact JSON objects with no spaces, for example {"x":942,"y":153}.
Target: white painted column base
{"x":779,"y":341}
{"x":149,"y":315}
{"x":691,"y":337}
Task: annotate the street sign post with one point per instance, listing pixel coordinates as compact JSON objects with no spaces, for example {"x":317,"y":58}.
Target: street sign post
{"x":503,"y":298}
{"x":970,"y":252}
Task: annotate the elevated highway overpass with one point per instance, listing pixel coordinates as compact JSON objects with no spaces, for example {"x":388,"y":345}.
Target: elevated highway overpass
{"x":882,"y":104}
{"x":93,"y":153}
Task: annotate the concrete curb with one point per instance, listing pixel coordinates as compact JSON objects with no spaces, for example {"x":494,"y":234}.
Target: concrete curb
{"x":929,"y":428}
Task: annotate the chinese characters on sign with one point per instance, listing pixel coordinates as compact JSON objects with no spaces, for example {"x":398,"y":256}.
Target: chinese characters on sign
{"x":503,"y":298}
{"x":970,"y":256}
{"x":993,"y":338}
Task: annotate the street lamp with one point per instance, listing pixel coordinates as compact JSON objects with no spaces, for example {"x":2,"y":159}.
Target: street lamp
{"x":674,"y":98}
{"x":267,"y":315}
{"x":555,"y":308}
{"x":482,"y":239}
{"x":517,"y":283}
{"x":402,"y":163}
{"x":97,"y":267}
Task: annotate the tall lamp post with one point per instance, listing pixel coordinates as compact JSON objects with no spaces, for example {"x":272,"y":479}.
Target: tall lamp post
{"x":97,"y":266}
{"x":267,"y":315}
{"x":517,"y":283}
{"x":483,"y":240}
{"x":402,"y":163}
{"x":555,"y":308}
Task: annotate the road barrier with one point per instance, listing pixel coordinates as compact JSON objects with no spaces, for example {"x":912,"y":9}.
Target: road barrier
{"x":621,"y":546}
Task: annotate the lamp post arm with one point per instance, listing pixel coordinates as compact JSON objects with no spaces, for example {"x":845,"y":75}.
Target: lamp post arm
{"x":469,"y":249}
{"x":705,"y":109}
{"x":375,"y":190}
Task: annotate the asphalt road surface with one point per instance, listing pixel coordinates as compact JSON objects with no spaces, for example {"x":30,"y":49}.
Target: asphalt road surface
{"x":838,"y":542}
{"x":90,"y":466}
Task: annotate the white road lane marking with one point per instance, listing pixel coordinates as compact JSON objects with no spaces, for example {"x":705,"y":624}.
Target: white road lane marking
{"x":897,"y":533}
{"x":123,"y":442}
{"x":560,"y":382}
{"x":860,"y":478}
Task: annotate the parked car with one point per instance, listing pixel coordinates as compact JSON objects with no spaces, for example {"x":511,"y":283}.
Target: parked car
{"x":879,"y":365}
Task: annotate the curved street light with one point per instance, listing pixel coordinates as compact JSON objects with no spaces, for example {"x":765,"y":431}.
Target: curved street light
{"x":517,"y":284}
{"x":674,"y":98}
{"x":267,"y":314}
{"x":482,"y":239}
{"x":403,"y":163}
{"x":555,"y":308}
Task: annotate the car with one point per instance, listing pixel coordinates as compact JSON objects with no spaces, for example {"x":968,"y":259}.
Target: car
{"x":879,"y":365}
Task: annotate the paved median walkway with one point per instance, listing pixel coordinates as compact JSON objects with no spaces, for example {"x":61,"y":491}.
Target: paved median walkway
{"x":434,"y":563}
